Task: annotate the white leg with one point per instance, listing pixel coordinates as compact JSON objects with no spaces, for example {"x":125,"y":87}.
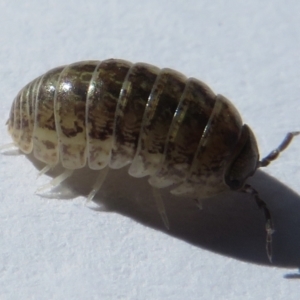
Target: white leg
{"x":199,"y":203}
{"x":56,"y":181}
{"x":44,"y":170}
{"x":98,"y":184}
{"x":10,"y":146}
{"x":161,"y":207}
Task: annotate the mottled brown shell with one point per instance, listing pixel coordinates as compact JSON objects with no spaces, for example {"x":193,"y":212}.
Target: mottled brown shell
{"x":115,"y":113}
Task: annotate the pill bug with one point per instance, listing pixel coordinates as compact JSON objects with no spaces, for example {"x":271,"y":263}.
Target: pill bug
{"x":112,"y":113}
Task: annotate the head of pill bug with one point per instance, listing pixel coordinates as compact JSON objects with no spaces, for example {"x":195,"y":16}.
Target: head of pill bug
{"x":244,"y":160}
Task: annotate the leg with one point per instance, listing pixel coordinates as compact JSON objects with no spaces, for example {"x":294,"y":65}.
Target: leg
{"x":45,"y":170}
{"x":275,"y":153}
{"x":97,"y":185}
{"x":269,"y":224}
{"x":199,"y":203}
{"x":161,"y":207}
{"x":56,"y":181}
{"x":8,"y":147}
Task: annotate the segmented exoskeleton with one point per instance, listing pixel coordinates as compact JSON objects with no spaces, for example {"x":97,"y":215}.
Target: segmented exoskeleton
{"x":113,"y":113}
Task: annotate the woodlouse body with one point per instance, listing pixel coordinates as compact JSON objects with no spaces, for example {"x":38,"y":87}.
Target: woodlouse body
{"x":114,"y":113}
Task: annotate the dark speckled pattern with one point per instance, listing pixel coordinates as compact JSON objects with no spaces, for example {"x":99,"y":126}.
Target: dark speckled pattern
{"x":114,"y":113}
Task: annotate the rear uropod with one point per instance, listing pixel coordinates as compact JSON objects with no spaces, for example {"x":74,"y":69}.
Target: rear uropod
{"x":112,"y":113}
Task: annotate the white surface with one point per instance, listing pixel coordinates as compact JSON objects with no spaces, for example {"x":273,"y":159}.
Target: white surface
{"x":54,"y":249}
